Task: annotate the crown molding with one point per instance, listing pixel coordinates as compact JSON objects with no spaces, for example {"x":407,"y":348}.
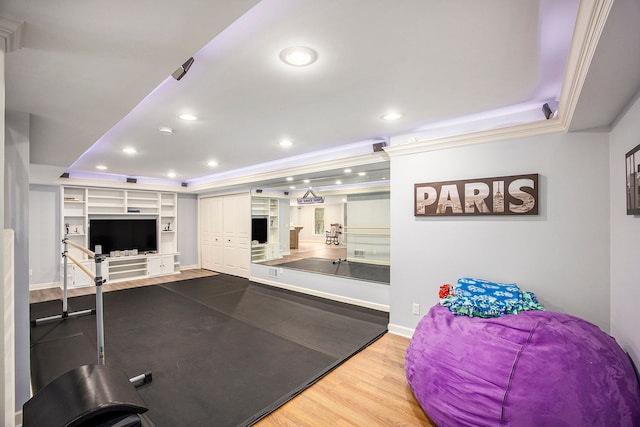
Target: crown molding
{"x":590,"y":21}
{"x":493,"y":135}
{"x":11,"y":34}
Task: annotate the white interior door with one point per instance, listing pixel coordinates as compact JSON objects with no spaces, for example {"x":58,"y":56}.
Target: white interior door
{"x":210,"y":213}
{"x":225,"y":234}
{"x":236,"y":235}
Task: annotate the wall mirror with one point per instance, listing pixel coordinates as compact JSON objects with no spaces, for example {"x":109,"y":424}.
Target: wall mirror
{"x":335,"y":222}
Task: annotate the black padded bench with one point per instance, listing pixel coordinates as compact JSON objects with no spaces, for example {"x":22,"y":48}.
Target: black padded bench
{"x":90,"y":395}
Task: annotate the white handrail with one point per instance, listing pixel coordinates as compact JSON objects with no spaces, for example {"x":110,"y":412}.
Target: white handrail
{"x":82,"y":248}
{"x":82,"y":267}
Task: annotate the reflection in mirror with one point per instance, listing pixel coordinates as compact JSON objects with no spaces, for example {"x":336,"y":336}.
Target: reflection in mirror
{"x":336,"y":224}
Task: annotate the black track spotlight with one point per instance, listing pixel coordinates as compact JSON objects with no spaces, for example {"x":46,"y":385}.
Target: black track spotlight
{"x":549,"y":109}
{"x":182,"y":70}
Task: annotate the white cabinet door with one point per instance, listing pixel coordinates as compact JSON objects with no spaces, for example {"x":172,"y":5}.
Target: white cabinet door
{"x":161,"y":264}
{"x":167,"y":264}
{"x":237,"y":234}
{"x":78,"y":277}
{"x":211,"y":240}
{"x":225,"y":231}
{"x":154,"y":265}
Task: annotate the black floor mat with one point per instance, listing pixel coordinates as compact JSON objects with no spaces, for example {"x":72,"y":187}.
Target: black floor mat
{"x":352,"y":269}
{"x":223,"y":351}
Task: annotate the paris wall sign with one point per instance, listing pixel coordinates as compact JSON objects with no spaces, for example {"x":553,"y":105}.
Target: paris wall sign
{"x":504,"y":195}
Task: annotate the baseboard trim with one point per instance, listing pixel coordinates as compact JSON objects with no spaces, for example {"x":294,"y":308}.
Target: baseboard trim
{"x":19,"y":418}
{"x":400,"y":330}
{"x":189,"y":267}
{"x":369,"y":261}
{"x":39,"y":286}
{"x":326,"y":295}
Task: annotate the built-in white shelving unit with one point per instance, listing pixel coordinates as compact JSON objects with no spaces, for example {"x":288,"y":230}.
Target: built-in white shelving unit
{"x":80,"y":204}
{"x":263,"y":207}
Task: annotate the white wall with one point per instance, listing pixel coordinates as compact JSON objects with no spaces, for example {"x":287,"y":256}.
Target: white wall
{"x":284,"y":238}
{"x":16,"y":217}
{"x":368,"y":210}
{"x":562,"y":254}
{"x":44,"y":235}
{"x":303,"y":216}
{"x":625,"y":235}
{"x":188,"y":230}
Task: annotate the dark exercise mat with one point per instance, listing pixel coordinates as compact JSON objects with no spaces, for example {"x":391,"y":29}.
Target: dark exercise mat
{"x":222,"y":350}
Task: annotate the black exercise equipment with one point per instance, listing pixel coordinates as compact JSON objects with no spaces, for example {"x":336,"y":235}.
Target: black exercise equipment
{"x":89,"y":395}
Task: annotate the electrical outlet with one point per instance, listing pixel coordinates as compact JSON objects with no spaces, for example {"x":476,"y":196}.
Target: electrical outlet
{"x":30,"y":272}
{"x":416,"y":308}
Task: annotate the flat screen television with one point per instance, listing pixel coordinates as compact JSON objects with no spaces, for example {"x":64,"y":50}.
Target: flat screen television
{"x":259,"y":229}
{"x":123,"y":234}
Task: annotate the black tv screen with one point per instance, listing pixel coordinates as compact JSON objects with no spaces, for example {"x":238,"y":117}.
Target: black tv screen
{"x":259,"y":229}
{"x":123,"y":234}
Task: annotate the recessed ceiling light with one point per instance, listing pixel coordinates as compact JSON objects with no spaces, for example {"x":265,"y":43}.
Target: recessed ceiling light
{"x":212,"y":163}
{"x":347,"y":170}
{"x":293,"y":187}
{"x":101,"y":167}
{"x":306,"y":181}
{"x":165,"y":130}
{"x":171,"y":174}
{"x":129,"y":150}
{"x":187,"y":117}
{"x":362,"y":173}
{"x":289,"y":178}
{"x":392,"y":115}
{"x":298,"y":56}
{"x":338,"y":182}
{"x":285,"y":143}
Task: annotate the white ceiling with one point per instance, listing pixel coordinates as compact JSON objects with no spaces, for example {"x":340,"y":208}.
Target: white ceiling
{"x":95,"y":77}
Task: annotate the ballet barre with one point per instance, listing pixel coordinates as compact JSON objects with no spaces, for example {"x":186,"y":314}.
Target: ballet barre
{"x":373,"y":231}
{"x":65,"y":277}
{"x":96,"y":276}
{"x":367,"y":234}
{"x":98,"y":281}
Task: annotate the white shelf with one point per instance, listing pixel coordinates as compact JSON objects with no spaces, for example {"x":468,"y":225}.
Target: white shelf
{"x":263,"y":207}
{"x":85,"y":203}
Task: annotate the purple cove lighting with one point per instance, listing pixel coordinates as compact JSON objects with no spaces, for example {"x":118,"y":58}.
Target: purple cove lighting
{"x":343,"y":151}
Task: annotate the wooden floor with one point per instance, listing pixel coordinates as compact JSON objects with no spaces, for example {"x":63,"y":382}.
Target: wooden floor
{"x":369,"y":389}
{"x":310,"y":250}
{"x":56,"y":293}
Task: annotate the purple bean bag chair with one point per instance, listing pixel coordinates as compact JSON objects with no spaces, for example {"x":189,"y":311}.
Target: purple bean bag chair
{"x":536,"y":368}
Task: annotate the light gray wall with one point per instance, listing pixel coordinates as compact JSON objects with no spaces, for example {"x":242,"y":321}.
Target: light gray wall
{"x":44,"y":234}
{"x":16,"y":217}
{"x":562,"y":254}
{"x":188,"y":229}
{"x":625,"y":235}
